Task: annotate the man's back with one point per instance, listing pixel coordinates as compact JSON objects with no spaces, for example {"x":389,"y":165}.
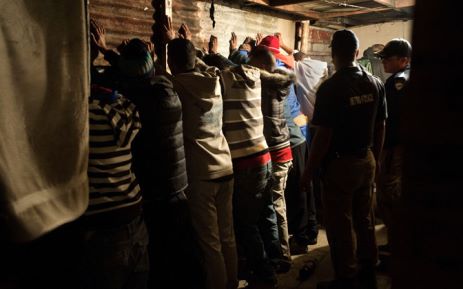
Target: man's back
{"x":310,"y":73}
{"x":158,"y":152}
{"x":350,"y":102}
{"x":114,"y":123}
{"x":207,"y":151}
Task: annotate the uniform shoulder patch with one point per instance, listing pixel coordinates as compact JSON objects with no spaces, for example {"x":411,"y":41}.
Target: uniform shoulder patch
{"x":399,"y":83}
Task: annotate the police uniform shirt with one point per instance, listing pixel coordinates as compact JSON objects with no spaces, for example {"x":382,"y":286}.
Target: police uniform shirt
{"x":395,"y":89}
{"x":350,"y":103}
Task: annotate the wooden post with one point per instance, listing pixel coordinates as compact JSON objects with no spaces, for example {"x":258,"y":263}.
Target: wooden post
{"x":298,"y":36}
{"x":161,"y":9}
{"x":305,"y":37}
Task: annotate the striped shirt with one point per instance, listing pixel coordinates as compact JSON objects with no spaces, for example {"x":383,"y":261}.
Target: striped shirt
{"x":114,"y":123}
{"x":243,"y":123}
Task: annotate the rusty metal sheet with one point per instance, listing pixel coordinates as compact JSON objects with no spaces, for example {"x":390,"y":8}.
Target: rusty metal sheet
{"x":123,"y":19}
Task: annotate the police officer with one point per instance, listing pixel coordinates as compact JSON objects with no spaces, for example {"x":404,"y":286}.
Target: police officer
{"x":396,"y":60}
{"x":350,"y":114}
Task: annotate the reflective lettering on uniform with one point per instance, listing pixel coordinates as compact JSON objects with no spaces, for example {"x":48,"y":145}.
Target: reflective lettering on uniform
{"x":361,"y":99}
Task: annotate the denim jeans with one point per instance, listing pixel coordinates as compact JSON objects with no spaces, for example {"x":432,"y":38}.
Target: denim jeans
{"x":255,"y":220}
{"x":117,"y":258}
{"x":279,"y":176}
{"x":300,"y":205}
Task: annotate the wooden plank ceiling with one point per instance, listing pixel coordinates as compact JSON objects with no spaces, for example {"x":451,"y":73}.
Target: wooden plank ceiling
{"x":339,"y":12}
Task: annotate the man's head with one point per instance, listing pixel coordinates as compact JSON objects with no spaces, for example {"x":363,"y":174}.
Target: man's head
{"x":181,"y":56}
{"x":272,"y":43}
{"x":299,"y":56}
{"x":396,"y":55}
{"x":344,"y":47}
{"x":377,"y":47}
{"x":262,"y":58}
{"x":135,"y":59}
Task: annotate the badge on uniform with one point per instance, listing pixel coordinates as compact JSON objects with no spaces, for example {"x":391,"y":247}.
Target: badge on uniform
{"x":399,"y":84}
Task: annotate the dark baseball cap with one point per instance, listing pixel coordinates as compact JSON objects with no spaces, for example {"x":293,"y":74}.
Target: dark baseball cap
{"x":344,"y":40}
{"x":396,"y":47}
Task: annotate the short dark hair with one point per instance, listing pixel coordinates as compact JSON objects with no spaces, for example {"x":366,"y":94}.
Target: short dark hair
{"x":262,"y":56}
{"x":344,"y":44}
{"x":299,"y":56}
{"x":182,"y":53}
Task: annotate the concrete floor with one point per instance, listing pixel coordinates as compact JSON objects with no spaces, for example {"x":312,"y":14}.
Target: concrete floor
{"x":321,"y":255}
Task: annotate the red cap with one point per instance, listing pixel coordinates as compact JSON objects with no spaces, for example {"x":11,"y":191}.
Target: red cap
{"x":272,"y":43}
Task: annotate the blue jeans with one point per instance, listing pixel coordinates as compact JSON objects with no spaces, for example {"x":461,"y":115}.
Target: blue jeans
{"x":117,"y":258}
{"x":255,"y":220}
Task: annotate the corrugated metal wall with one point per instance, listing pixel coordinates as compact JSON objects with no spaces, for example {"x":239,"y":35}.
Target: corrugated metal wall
{"x":133,"y":18}
{"x":124,"y":19}
{"x":243,"y":23}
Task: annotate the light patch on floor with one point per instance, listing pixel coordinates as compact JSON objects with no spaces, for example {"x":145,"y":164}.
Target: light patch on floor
{"x":321,"y":255}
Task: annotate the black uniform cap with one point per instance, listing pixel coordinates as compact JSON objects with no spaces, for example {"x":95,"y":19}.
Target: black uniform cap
{"x":344,"y":40}
{"x":396,"y":47}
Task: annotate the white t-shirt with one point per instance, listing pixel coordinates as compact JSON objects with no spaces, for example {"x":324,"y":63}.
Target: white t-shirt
{"x":44,"y":85}
{"x":310,"y":74}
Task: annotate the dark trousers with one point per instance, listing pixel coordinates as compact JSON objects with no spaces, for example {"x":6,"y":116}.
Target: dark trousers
{"x":53,"y":261}
{"x":300,"y":206}
{"x":116,"y":257}
{"x":255,"y":221}
{"x":348,"y":213}
{"x":390,"y":184}
{"x":175,"y":261}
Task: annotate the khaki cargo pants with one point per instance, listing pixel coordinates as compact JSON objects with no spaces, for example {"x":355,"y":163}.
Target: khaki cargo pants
{"x":348,"y":212}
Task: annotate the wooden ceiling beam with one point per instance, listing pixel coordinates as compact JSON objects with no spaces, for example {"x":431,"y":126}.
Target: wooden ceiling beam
{"x":328,"y":15}
{"x":305,"y":14}
{"x":260,"y":2}
{"x":287,"y":2}
{"x":396,"y":3}
{"x":310,"y":14}
{"x":292,"y":9}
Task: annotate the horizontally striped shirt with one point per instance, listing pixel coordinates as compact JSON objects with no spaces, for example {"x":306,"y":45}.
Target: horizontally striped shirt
{"x":243,"y":124}
{"x":114,"y":123}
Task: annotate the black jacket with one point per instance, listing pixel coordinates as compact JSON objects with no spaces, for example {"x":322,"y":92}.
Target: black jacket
{"x":275,"y":88}
{"x":158,"y":152}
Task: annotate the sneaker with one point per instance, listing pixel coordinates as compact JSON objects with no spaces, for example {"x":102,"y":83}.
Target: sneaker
{"x":282,"y":266}
{"x":313,"y":237}
{"x":307,"y":270}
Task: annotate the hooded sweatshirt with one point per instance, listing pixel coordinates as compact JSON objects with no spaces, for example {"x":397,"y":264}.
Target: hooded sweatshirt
{"x":114,"y":123}
{"x":207,"y":152}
